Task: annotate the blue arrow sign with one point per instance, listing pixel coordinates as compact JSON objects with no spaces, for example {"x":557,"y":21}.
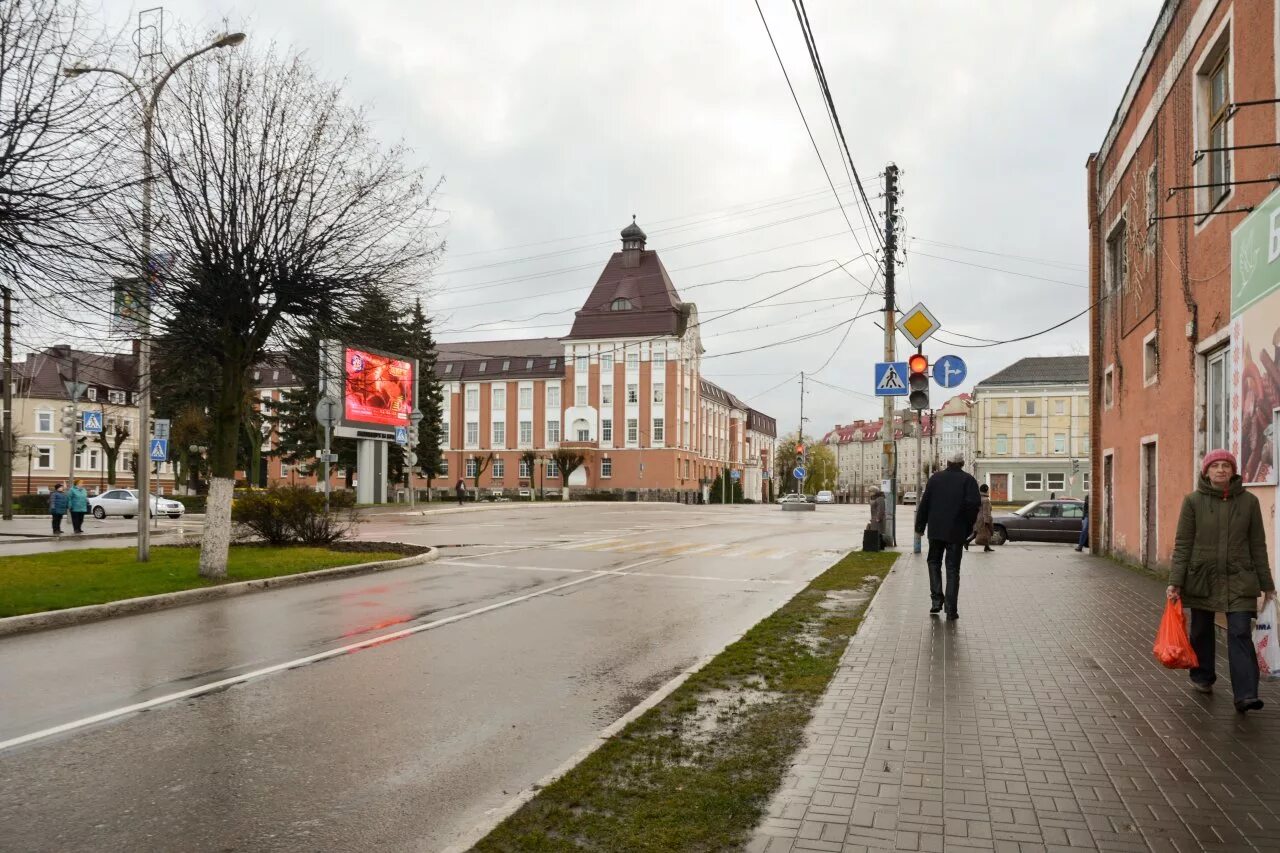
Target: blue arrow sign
{"x":91,"y":422}
{"x":891,"y":379}
{"x":159,"y":449}
{"x":798,"y":473}
{"x":402,"y":435}
{"x":949,"y":371}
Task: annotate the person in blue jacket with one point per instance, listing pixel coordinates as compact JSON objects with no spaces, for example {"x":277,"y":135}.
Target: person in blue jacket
{"x":57,"y":507}
{"x":78,"y":504}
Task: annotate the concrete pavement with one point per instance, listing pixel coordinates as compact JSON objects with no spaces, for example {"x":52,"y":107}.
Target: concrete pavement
{"x":537,"y":629}
{"x":1039,"y":721}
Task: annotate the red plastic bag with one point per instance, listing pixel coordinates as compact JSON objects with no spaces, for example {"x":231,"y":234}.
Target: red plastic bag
{"x":1172,"y":647}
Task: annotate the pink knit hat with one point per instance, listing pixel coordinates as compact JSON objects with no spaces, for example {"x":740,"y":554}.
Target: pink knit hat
{"x":1218,"y":456}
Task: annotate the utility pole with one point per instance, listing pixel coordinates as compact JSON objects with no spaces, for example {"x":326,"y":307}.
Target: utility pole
{"x":800,"y":435}
{"x":7,"y":431}
{"x":888,"y":460}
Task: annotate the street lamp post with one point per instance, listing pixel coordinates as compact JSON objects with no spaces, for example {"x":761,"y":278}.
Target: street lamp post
{"x":149,"y":96}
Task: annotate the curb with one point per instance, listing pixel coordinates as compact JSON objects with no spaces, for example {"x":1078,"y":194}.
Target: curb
{"x":12,"y":625}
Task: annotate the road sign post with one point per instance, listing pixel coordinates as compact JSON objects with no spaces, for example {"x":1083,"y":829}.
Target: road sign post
{"x":327,"y":411}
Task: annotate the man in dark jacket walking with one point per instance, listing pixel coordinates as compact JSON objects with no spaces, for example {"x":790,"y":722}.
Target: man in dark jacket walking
{"x":947,"y":510}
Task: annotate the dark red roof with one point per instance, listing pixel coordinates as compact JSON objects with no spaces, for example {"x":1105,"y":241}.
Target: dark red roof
{"x":656,"y":307}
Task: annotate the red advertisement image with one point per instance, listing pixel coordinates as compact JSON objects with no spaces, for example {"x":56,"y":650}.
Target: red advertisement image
{"x":379,"y":388}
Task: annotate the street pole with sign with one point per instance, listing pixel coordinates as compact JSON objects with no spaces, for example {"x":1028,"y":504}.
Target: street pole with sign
{"x":327,"y":413}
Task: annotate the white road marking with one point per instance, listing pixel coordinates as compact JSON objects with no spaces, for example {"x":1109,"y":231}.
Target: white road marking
{"x":309,"y":659}
{"x":623,"y":572}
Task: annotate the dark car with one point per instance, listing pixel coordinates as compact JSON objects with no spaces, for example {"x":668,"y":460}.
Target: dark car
{"x":1040,"y":521}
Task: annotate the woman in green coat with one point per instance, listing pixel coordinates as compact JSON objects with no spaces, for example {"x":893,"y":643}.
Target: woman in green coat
{"x":1220,"y":566}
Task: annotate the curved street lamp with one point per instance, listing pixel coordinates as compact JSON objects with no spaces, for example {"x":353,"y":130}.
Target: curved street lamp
{"x":149,"y":94}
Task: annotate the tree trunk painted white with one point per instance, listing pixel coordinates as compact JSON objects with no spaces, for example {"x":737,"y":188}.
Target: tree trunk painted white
{"x":216,"y":541}
{"x":564,"y":493}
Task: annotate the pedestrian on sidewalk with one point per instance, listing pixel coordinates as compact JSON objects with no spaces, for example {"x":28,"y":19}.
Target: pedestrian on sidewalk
{"x":1084,"y":528}
{"x":877,"y":513}
{"x":1220,"y":566}
{"x":78,"y":504}
{"x":57,"y":507}
{"x":981,"y":534}
{"x":461,"y":490}
{"x":947,"y":510}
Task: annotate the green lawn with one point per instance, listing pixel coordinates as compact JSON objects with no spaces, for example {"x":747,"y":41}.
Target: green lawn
{"x":695,"y":773}
{"x":34,"y":583}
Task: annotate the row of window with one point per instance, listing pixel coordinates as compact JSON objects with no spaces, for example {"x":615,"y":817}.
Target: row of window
{"x":45,"y":423}
{"x":498,"y":470}
{"x":91,"y":459}
{"x":1034,"y":481}
{"x":1030,"y":443}
{"x":499,"y":400}
{"x":582,"y":432}
{"x":1030,"y":407}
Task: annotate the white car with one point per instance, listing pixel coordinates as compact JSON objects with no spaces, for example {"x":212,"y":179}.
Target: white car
{"x":825,"y":497}
{"x":124,"y":502}
{"x":792,"y":498}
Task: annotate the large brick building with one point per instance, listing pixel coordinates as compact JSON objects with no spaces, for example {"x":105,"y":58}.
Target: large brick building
{"x":1190,"y":151}
{"x":623,"y":387}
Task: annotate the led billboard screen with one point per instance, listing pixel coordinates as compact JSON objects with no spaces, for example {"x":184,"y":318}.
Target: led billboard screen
{"x":377,"y":388}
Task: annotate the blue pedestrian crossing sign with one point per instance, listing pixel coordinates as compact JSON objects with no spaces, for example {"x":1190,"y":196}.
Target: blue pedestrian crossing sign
{"x":402,"y":435}
{"x":891,"y":379}
{"x":91,"y":422}
{"x":798,"y":473}
{"x":159,"y":449}
{"x":735,"y":475}
{"x":949,"y":371}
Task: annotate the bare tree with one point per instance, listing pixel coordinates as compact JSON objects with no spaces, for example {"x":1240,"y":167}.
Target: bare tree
{"x":272,"y":201}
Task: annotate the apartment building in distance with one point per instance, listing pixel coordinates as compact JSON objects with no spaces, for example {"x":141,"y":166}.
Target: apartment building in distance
{"x":858,"y":448}
{"x":1032,"y":429}
{"x":623,"y":387}
{"x":44,"y":455}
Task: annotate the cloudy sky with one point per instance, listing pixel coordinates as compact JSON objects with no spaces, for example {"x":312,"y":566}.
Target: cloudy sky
{"x":552,"y":123}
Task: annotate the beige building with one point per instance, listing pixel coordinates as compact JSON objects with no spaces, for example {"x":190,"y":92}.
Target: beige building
{"x":1032,"y":422}
{"x":44,"y":452}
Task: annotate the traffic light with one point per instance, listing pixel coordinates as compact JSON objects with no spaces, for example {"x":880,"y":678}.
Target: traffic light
{"x":918,"y":366}
{"x":68,"y":420}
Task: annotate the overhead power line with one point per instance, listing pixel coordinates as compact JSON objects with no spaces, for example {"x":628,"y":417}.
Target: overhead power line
{"x":998,"y":269}
{"x":1054,"y":327}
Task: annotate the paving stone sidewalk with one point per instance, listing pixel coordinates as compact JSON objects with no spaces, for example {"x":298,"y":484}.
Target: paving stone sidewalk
{"x":1038,"y":721}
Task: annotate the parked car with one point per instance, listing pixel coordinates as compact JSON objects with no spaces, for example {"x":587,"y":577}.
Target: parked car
{"x":124,"y":502}
{"x":908,"y":497}
{"x":825,"y":497}
{"x":792,"y":498}
{"x":1040,"y":521}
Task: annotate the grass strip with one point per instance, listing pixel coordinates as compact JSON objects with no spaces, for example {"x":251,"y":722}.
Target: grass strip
{"x":35,"y":583}
{"x":695,"y":773}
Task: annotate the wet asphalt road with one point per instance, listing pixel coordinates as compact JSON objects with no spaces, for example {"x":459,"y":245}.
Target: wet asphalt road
{"x":404,"y":744}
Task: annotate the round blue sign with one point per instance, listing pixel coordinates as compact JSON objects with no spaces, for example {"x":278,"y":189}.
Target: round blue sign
{"x":735,"y":475}
{"x":949,"y":371}
{"x":798,"y":473}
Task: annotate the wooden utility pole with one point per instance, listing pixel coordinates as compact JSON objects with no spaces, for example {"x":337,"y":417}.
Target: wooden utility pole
{"x":888,"y":456}
{"x":7,"y":432}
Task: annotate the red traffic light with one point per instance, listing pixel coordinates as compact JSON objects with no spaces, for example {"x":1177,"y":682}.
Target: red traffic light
{"x":918,"y":363}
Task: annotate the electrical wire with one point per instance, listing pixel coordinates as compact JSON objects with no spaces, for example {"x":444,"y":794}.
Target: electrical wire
{"x":1024,"y":337}
{"x":1042,"y":261}
{"x":998,"y":269}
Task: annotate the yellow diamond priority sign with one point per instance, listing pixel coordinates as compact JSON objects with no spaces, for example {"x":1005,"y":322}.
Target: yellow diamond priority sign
{"x":918,"y":324}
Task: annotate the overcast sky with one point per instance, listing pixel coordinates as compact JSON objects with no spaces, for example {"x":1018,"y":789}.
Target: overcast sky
{"x":553,"y":122}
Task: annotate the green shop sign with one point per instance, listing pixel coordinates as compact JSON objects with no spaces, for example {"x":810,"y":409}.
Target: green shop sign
{"x":1255,"y":255}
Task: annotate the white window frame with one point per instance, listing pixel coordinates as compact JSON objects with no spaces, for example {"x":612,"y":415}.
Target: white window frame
{"x":498,"y":469}
{"x":581,"y":394}
{"x":1061,"y":479}
{"x":1039,"y":481}
{"x":659,"y":432}
{"x":1002,"y":408}
{"x":606,"y":395}
{"x":471,"y":435}
{"x":472,"y":466}
{"x":606,"y":429}
{"x":41,"y":451}
{"x":1029,"y":444}
{"x":606,"y":361}
{"x":633,"y":393}
{"x":40,"y":416}
{"x":1220,"y":52}
{"x":116,"y":397}
{"x":526,"y":470}
{"x":633,"y":359}
{"x":525,"y":433}
{"x":499,"y":400}
{"x":553,"y":398}
{"x":1108,"y":387}
{"x":658,"y":357}
{"x":1059,"y":442}
{"x":91,"y":394}
{"x":581,"y":363}
{"x":553,"y":470}
{"x":472,"y":399}
{"x":1029,"y":409}
{"x":659,"y":392}
{"x":525,"y":400}
{"x":498,"y":436}
{"x":633,"y":432}
{"x":1002,"y":444}
{"x":1220,"y":355}
{"x":1150,"y":359}
{"x":1059,"y":407}
{"x":553,"y":431}
{"x":606,"y":468}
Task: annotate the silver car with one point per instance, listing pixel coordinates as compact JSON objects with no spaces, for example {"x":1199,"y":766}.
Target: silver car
{"x":124,"y":502}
